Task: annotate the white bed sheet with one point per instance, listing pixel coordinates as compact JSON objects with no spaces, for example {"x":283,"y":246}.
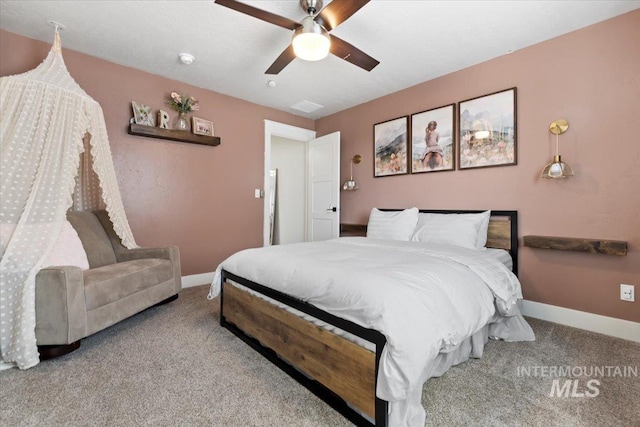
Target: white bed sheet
{"x":500,"y":254}
{"x":425,"y":298}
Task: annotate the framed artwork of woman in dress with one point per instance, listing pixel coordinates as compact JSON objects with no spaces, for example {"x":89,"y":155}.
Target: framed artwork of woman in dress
{"x":488,"y":133}
{"x":390,"y":147}
{"x":433,"y":140}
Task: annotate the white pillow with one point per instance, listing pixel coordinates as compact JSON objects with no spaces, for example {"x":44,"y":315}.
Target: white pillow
{"x":484,"y":228}
{"x":463,"y":230}
{"x":396,"y":225}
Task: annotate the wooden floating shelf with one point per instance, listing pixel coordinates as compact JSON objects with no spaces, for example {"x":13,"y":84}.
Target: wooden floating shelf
{"x":593,"y":246}
{"x":173,"y":135}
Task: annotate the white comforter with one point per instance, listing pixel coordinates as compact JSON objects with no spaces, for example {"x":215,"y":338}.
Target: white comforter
{"x":424,"y":298}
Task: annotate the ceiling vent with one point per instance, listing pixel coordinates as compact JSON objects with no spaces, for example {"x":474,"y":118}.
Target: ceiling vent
{"x":307,"y":106}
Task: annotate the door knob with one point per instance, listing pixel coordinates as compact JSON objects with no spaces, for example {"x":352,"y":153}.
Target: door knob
{"x":333,"y":209}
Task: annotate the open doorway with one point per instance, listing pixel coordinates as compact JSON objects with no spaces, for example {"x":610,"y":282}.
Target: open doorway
{"x":312,"y":184}
{"x":289,"y":160}
{"x":290,"y":135}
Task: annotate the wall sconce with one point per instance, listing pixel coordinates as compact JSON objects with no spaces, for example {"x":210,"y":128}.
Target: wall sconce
{"x":557,"y":168}
{"x":351,"y":184}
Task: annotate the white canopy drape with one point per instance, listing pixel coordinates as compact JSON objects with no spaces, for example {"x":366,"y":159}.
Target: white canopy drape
{"x":46,"y":123}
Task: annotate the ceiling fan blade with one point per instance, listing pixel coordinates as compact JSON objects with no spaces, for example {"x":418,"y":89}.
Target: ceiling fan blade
{"x":272,"y":18}
{"x":337,"y":12}
{"x":352,"y":54}
{"x":283,"y":60}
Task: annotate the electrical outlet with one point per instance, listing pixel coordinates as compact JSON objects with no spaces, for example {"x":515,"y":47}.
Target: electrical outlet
{"x":627,"y":292}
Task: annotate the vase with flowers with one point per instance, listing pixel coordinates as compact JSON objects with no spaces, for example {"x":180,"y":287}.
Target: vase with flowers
{"x":183,"y":104}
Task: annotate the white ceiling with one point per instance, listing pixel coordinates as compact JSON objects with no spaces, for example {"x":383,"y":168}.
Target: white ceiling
{"x":414,"y":41}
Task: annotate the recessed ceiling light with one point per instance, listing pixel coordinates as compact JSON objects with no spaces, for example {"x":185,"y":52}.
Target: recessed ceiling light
{"x":186,"y":58}
{"x":271,"y":83}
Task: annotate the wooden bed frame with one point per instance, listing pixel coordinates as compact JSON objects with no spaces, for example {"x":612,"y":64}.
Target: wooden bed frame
{"x":333,"y":368}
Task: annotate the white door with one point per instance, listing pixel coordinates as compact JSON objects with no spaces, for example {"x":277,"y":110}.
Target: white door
{"x":323,"y":194}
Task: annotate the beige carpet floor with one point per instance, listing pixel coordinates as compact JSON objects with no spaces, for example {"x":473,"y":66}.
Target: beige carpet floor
{"x":175,"y":366}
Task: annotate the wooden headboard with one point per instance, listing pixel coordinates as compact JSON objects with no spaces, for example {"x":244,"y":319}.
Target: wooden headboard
{"x":502,"y":234}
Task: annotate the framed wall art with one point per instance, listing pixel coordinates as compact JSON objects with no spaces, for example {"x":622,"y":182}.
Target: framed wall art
{"x":390,"y":147}
{"x":433,"y":140}
{"x":202,"y":127}
{"x":488,"y":132}
{"x":142,"y":114}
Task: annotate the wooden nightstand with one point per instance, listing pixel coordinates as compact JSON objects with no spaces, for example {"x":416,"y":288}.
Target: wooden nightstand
{"x":347,"y":230}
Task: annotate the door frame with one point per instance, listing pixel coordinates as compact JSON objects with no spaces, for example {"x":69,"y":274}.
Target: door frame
{"x":272,"y":128}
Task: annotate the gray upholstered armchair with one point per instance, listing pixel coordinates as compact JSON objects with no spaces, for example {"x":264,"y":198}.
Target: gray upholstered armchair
{"x":72,"y":304}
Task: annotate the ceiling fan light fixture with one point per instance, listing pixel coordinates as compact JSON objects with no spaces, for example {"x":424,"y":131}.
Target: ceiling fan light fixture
{"x":311,"y":41}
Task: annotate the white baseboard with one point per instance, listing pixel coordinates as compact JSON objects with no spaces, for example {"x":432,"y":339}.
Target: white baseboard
{"x":197,"y":280}
{"x":618,"y":328}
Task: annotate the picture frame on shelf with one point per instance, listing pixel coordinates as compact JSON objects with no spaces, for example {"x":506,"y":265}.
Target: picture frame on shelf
{"x":488,"y":130}
{"x":202,"y":127}
{"x":390,"y":147}
{"x":433,"y":140}
{"x":142,"y":114}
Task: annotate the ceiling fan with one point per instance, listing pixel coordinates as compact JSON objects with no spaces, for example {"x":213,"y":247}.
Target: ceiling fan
{"x":311,"y":40}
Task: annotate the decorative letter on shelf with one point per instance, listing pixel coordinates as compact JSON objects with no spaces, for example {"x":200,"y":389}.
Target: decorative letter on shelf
{"x":163,"y":119}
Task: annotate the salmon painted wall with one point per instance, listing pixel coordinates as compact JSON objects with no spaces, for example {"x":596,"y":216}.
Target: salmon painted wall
{"x":589,"y":77}
{"x":197,"y":197}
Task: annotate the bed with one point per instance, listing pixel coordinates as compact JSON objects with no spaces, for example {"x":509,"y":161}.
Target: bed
{"x":341,"y":343}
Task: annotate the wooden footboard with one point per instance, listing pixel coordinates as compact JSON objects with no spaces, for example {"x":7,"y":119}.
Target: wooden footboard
{"x":340,"y":365}
{"x":346,"y":371}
